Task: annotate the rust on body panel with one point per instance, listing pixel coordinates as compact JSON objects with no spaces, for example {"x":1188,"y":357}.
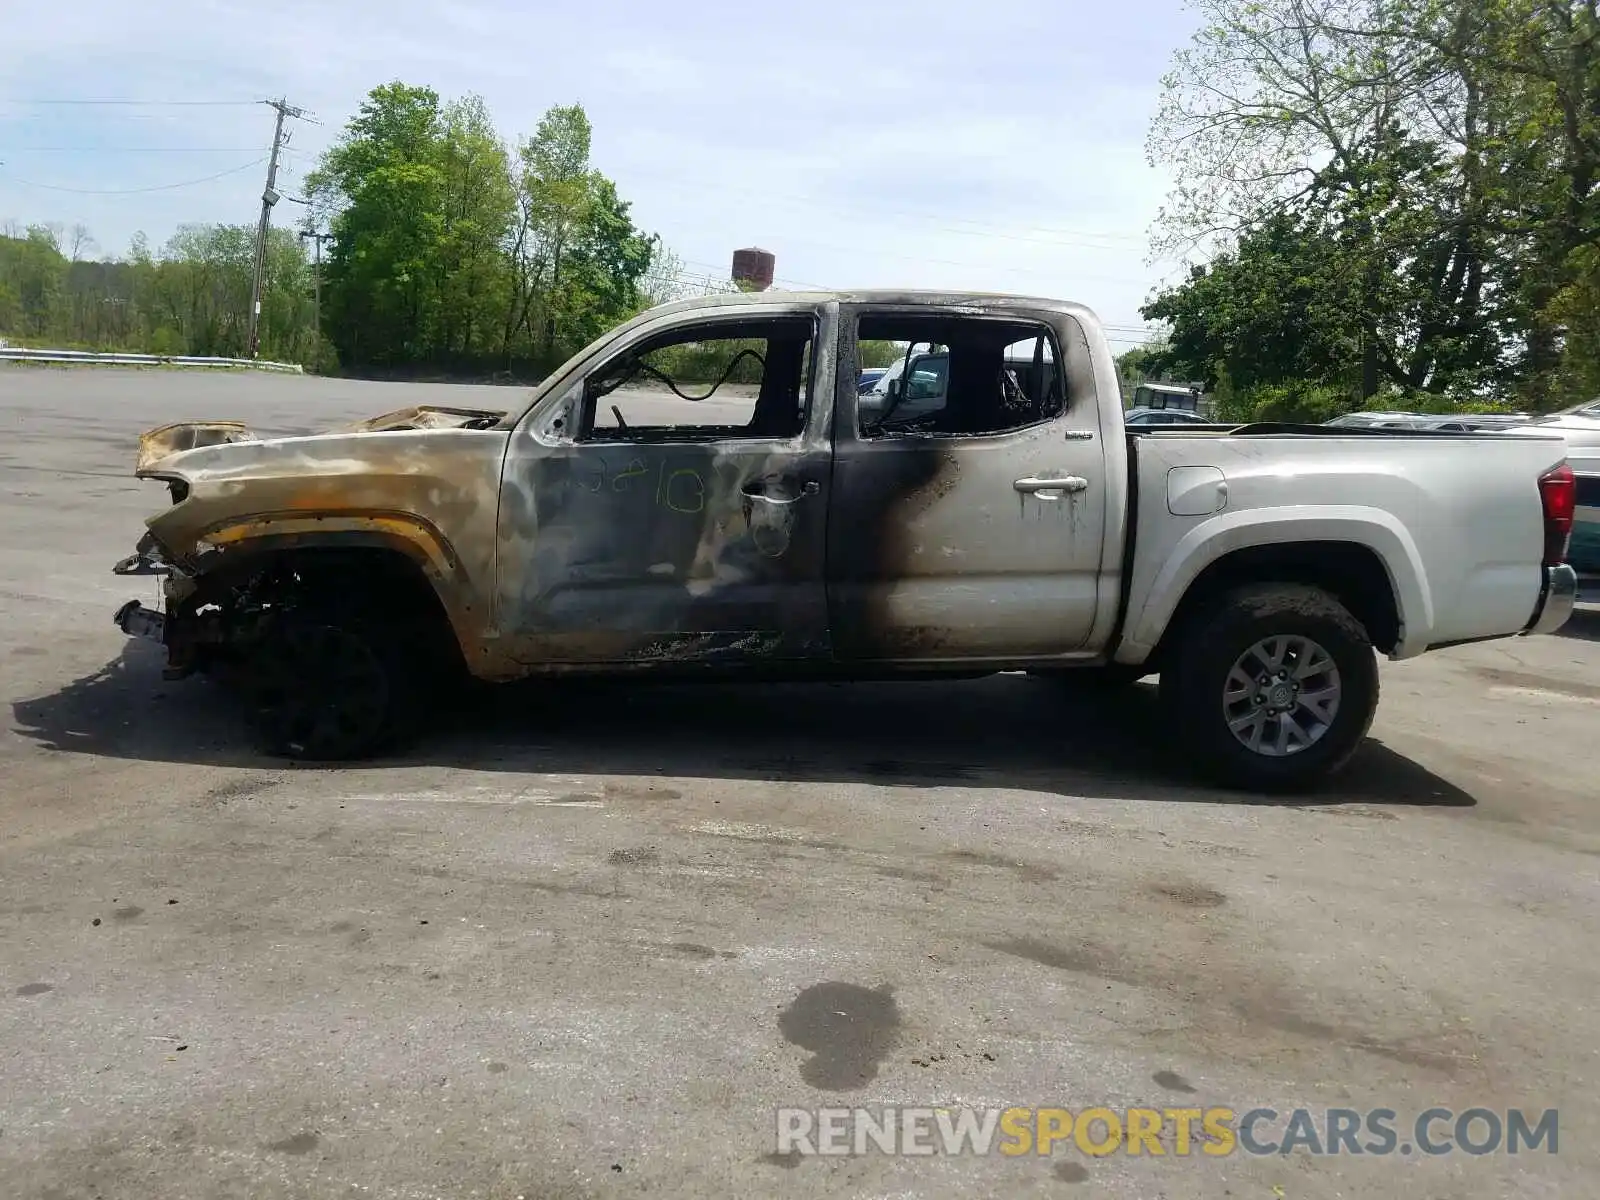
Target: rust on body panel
{"x":647,"y":555}
{"x":431,"y":494}
{"x":550,"y":553}
{"x":158,"y":444}
{"x":684,"y":551}
{"x":426,"y":416}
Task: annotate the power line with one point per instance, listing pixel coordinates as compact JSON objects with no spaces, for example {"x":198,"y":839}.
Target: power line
{"x":133,"y":149}
{"x":160,"y":187}
{"x":981,"y":228}
{"x":1114,"y":331}
{"x":1140,"y":330}
{"x":269,"y":197}
{"x":1049,"y":272}
{"x":136,"y":103}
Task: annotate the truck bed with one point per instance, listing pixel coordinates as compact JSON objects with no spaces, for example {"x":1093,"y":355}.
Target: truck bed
{"x":1460,"y":514}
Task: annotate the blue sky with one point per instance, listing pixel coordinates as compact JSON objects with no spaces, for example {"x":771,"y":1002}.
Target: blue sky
{"x":996,"y":146}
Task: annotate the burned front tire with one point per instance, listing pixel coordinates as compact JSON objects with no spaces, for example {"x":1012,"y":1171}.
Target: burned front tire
{"x":1270,"y":687}
{"x":328,"y":689}
{"x":339,"y":652}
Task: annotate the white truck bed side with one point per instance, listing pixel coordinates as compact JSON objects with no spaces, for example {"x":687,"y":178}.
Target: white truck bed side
{"x":1456,"y":521}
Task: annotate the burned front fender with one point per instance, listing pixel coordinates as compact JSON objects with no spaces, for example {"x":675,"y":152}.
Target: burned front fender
{"x":160,"y":444}
{"x":431,"y":494}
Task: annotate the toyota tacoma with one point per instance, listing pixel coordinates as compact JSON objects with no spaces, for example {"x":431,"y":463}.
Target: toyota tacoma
{"x":704,"y":492}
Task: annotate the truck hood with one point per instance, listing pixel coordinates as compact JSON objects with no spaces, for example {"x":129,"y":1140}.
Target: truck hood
{"x":158,"y":445}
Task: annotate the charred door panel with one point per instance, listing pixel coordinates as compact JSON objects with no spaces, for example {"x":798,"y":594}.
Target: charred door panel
{"x":661,"y":554}
{"x":955,"y":546}
{"x":664,"y":553}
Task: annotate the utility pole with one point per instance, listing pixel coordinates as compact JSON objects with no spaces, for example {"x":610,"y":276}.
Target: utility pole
{"x":316,"y":273}
{"x":269,"y":197}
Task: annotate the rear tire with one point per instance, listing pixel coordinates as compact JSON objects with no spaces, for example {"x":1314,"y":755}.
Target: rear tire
{"x":1271,"y":687}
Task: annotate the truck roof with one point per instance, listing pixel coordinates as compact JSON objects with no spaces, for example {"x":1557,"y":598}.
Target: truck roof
{"x":878,"y":296}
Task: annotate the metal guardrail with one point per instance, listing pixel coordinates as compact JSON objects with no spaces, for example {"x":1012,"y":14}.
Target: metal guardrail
{"x":18,"y":354}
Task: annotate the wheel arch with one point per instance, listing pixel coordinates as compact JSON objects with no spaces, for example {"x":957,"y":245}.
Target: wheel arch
{"x":1350,"y":572}
{"x":1367,"y":560}
{"x":407,"y":566}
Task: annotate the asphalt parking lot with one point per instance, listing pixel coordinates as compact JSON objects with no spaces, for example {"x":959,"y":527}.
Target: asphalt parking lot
{"x":586,"y":941}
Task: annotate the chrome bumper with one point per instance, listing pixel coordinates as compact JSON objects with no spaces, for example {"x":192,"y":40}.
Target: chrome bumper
{"x":1556,"y":600}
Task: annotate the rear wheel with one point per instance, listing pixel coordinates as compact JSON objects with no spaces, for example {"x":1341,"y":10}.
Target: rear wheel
{"x":1271,"y":687}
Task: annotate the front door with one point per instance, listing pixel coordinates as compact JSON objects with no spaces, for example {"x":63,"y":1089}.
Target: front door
{"x":970,"y":525}
{"x":667,"y":507}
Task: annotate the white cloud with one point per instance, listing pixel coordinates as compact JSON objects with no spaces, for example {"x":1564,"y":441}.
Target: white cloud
{"x":994,"y":146}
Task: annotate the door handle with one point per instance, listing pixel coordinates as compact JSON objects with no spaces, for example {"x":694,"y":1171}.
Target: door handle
{"x":757,"y":490}
{"x":1065,"y":483}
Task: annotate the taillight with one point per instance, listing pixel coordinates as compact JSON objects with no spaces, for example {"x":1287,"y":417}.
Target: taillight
{"x":1558,"y":493}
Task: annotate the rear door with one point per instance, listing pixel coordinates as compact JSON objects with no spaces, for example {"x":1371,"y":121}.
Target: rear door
{"x":973,"y":529}
{"x":669,"y":508}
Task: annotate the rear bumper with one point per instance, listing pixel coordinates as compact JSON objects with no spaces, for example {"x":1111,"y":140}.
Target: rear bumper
{"x":1557,"y":598}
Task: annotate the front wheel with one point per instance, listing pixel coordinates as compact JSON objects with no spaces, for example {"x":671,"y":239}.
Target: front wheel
{"x":1271,"y":688}
{"x":330,"y":690}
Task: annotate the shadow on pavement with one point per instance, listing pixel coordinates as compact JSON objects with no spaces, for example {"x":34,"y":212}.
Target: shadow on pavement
{"x":1583,"y":624}
{"x":1003,"y":731}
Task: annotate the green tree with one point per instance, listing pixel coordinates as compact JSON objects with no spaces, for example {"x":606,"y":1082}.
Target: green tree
{"x":384,"y":185}
{"x":578,"y":262}
{"x":1264,"y":312}
{"x":1140,"y":365}
{"x":477,"y":208}
{"x":34,"y":275}
{"x":447,"y":253}
{"x":1449,"y":154}
{"x":201,"y":294}
{"x":878,"y":353}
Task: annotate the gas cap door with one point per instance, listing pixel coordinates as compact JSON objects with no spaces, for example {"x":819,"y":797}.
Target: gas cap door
{"x":1196,"y":491}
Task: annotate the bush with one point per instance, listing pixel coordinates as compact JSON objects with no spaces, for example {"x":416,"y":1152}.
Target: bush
{"x":167,"y":340}
{"x":705,"y":362}
{"x":1298,"y":403}
{"x":323,"y":359}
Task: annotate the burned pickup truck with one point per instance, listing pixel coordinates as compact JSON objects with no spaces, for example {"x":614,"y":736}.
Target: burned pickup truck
{"x":703,"y":493}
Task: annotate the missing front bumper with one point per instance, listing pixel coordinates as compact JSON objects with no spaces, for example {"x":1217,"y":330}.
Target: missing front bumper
{"x":146,"y":559}
{"x":137,"y":621}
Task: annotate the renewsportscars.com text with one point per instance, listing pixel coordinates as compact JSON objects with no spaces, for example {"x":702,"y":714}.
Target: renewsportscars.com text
{"x":1164,"y":1132}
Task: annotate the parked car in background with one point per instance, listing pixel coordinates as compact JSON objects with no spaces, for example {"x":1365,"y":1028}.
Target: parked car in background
{"x":1185,"y":397}
{"x":1440,"y":422}
{"x":913,"y":386}
{"x":1376,"y":420}
{"x":1580,"y":425}
{"x":1486,"y":421}
{"x":868,"y":377}
{"x":1137,"y":417}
